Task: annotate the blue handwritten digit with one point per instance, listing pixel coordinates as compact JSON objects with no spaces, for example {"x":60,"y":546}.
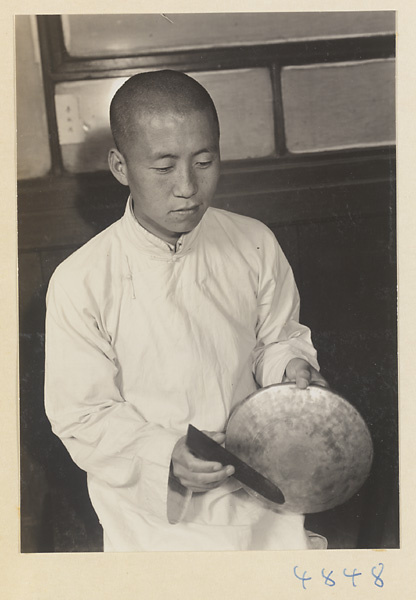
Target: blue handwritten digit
{"x":353,"y":575}
{"x":328,"y":580}
{"x":303,"y":578}
{"x":377,"y":579}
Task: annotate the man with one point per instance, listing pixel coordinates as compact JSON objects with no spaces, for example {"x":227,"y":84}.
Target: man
{"x":171,"y":316}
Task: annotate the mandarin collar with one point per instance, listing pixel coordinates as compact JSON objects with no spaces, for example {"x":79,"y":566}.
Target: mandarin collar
{"x":150,"y":243}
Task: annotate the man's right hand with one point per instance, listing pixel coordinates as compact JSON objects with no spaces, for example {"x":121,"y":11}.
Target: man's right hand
{"x":196,"y":474}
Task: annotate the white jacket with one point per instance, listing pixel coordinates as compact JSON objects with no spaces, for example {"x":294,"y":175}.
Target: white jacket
{"x":142,"y":339}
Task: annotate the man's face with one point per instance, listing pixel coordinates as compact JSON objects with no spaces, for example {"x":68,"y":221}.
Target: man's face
{"x":172,"y":167}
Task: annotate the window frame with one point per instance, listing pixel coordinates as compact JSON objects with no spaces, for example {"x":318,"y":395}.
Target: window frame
{"x":58,"y":66}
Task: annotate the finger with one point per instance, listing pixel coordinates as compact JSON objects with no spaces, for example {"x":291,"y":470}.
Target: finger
{"x":217,"y":436}
{"x":211,"y":476}
{"x":303,"y":378}
{"x":319,"y":380}
{"x":188,"y":460}
{"x":198,"y":465}
{"x":194,"y":463}
{"x":294,"y":367}
{"x":190,"y":463}
{"x":205,"y":481}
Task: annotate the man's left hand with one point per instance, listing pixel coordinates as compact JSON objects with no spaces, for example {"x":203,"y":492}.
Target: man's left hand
{"x":299,"y":371}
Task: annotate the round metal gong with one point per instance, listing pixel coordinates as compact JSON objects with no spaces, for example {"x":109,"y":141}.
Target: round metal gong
{"x":311,"y":443}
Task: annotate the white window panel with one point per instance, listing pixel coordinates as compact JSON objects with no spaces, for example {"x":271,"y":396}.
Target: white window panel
{"x":343,"y":105}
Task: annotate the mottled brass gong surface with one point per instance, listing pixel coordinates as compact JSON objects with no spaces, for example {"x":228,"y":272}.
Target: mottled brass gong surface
{"x":311,"y":443}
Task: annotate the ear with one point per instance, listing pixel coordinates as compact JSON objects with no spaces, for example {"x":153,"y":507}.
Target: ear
{"x":118,"y":167}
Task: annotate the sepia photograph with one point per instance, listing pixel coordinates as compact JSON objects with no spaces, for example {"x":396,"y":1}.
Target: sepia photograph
{"x":207,"y":281}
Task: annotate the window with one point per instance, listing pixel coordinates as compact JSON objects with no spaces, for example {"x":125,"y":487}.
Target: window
{"x":286,"y":84}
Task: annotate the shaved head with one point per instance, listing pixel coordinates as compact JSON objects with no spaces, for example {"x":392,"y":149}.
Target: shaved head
{"x":154,"y":93}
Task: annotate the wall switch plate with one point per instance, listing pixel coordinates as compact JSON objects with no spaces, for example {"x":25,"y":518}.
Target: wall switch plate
{"x":70,"y":126}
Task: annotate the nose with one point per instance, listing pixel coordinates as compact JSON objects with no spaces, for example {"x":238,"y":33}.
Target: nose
{"x":185,"y":184}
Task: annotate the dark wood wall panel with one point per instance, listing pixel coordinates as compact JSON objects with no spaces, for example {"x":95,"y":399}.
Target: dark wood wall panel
{"x":60,"y":211}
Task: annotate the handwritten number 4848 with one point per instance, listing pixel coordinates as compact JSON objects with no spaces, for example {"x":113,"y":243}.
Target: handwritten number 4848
{"x":329,"y":580}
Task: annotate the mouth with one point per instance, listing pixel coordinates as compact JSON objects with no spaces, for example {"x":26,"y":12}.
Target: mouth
{"x":186,"y":211}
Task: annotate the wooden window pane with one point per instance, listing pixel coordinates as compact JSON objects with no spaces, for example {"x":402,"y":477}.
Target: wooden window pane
{"x":121,"y":35}
{"x":345,"y":105}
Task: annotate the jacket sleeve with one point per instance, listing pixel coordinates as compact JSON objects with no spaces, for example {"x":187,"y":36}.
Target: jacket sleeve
{"x":280,"y":336}
{"x":105,"y":435}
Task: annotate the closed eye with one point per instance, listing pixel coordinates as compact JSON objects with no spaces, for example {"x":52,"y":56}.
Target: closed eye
{"x":204,"y":164}
{"x":162,"y":169}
